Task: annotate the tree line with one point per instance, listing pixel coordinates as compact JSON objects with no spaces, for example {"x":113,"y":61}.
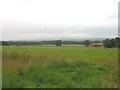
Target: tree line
{"x":114,"y":42}
{"x":107,"y":43}
{"x":54,"y":42}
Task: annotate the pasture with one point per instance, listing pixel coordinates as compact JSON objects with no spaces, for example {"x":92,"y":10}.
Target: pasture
{"x":59,"y":67}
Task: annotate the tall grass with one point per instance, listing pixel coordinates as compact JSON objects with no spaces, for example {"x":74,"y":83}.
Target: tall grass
{"x":59,"y":67}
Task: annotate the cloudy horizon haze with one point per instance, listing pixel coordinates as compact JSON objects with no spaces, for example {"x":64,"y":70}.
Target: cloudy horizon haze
{"x":58,"y":19}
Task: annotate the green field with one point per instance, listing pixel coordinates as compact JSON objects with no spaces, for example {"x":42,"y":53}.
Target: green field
{"x":59,"y":67}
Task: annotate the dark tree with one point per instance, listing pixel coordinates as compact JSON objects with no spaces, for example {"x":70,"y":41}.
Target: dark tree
{"x":117,"y":40}
{"x":110,"y":43}
{"x":106,"y":43}
{"x":4,"y":43}
{"x":87,"y":43}
{"x":58,"y":43}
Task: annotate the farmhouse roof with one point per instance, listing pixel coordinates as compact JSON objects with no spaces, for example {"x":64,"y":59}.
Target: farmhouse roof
{"x":97,"y":44}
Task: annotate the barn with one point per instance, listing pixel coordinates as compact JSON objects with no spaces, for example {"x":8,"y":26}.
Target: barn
{"x":97,"y":44}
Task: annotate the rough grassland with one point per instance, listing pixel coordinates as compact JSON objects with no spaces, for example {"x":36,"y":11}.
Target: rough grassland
{"x":62,"y":67}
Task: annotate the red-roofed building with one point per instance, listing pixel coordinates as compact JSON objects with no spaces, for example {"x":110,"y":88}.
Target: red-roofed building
{"x":97,"y":44}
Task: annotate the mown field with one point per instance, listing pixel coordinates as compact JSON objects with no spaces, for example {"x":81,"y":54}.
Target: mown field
{"x":59,"y":67}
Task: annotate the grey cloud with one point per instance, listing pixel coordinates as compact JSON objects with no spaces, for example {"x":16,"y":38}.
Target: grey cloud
{"x":24,"y":2}
{"x":32,"y":19}
{"x":111,"y":17}
{"x":38,"y":30}
{"x":59,"y":29}
{"x":46,"y":31}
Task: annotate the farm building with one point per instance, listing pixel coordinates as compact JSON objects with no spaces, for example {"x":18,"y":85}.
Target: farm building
{"x":97,"y":44}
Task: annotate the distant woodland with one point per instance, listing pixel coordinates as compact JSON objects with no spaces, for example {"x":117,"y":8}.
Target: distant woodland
{"x":107,"y":43}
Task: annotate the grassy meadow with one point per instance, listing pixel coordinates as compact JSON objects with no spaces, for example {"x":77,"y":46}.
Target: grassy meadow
{"x":59,"y":67}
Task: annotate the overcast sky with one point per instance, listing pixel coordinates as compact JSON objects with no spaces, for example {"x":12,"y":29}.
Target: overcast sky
{"x":58,"y":19}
